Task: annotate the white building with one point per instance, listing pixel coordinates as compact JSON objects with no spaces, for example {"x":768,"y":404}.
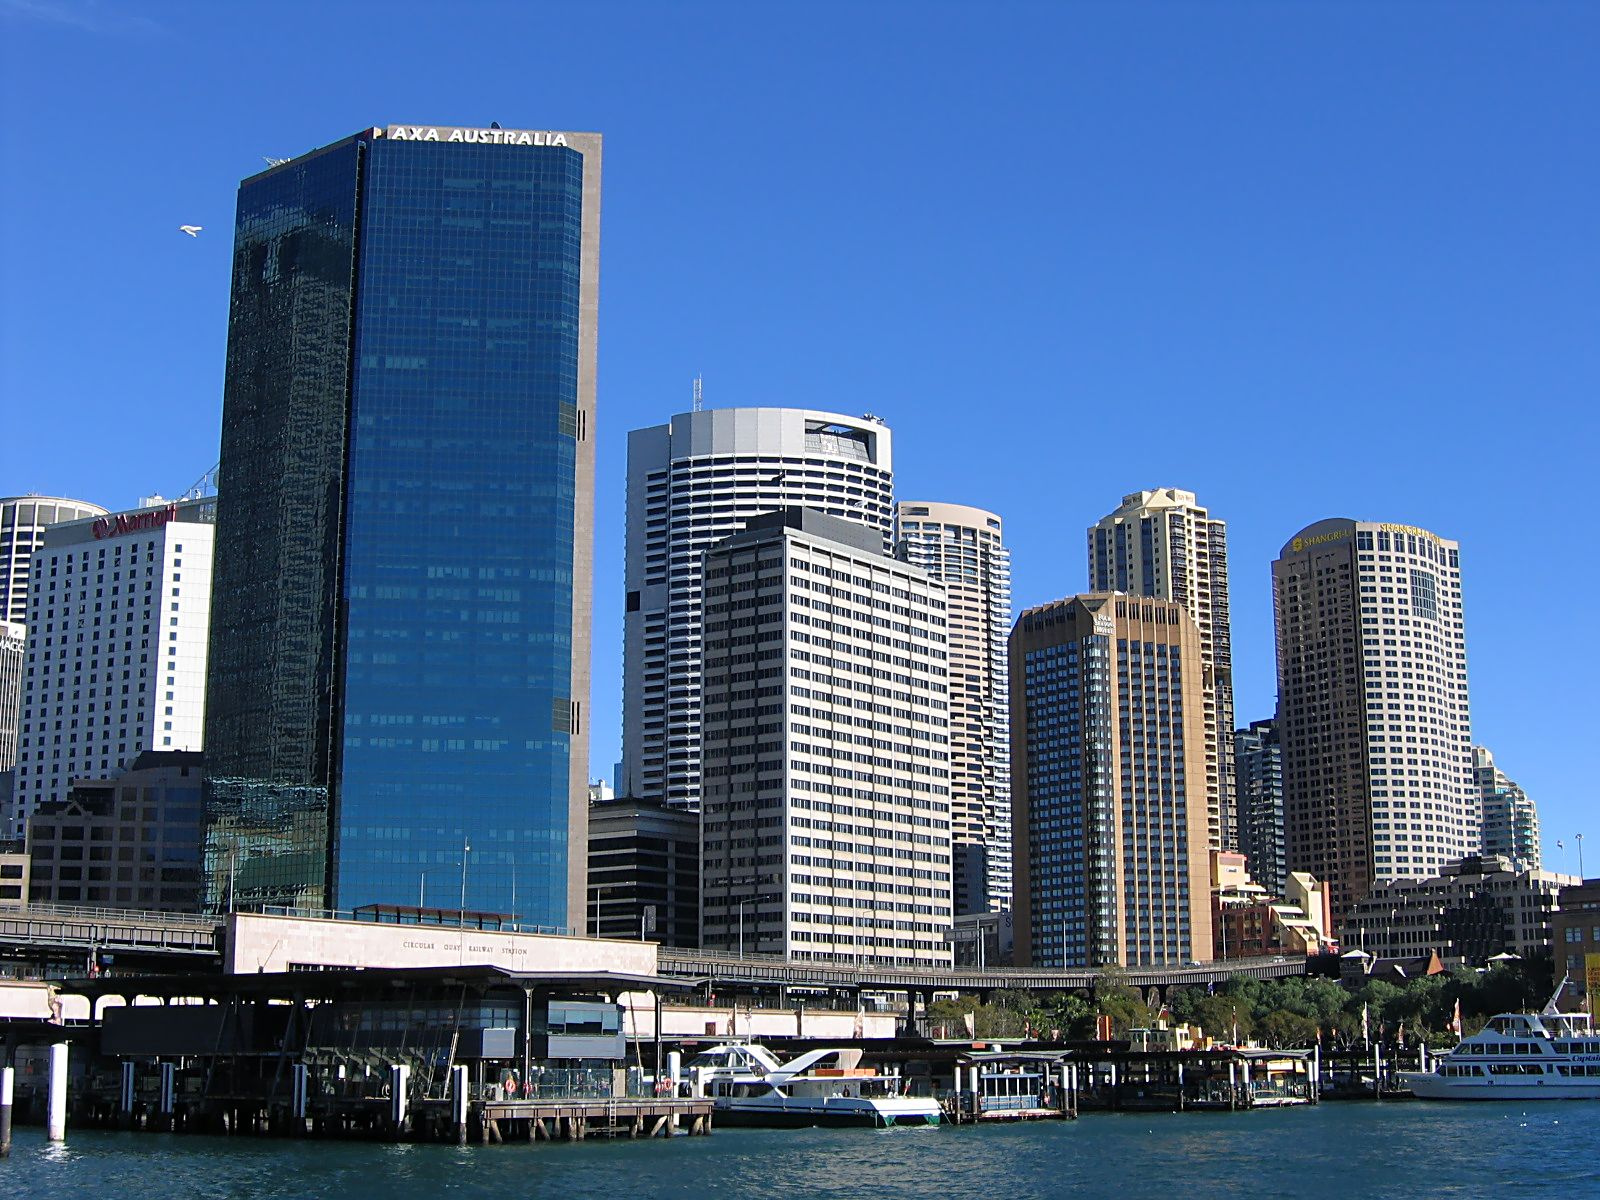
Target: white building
{"x":1510,"y":821}
{"x":118,"y":616}
{"x":23,"y":520}
{"x":963,"y":549}
{"x":1372,"y":706}
{"x":1162,"y":543}
{"x":691,"y":483}
{"x":825,"y":819}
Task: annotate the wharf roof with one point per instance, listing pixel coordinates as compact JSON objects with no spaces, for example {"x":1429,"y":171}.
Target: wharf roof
{"x":362,"y":982}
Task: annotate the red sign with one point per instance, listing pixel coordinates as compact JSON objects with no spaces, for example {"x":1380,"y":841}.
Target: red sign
{"x":134,"y":522}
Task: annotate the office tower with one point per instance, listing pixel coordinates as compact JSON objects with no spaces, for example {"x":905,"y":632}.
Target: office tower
{"x":401,"y":647}
{"x":1372,"y":706}
{"x":1258,"y":797}
{"x":644,"y":871}
{"x":826,"y":794}
{"x":146,"y":820}
{"x":962,"y":548}
{"x":23,"y":520}
{"x":692,"y":482}
{"x":1161,"y":543}
{"x":1507,"y":817}
{"x":1109,"y":786}
{"x":118,"y":613}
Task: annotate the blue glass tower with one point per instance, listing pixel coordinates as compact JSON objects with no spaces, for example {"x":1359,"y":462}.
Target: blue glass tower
{"x":402,"y":600}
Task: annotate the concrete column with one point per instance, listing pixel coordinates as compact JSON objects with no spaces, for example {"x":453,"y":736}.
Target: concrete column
{"x":458,"y":1103}
{"x":399,"y":1098}
{"x":169,"y":1091}
{"x":300,"y":1091}
{"x":8,"y":1083}
{"x":675,"y":1068}
{"x":56,"y":1121}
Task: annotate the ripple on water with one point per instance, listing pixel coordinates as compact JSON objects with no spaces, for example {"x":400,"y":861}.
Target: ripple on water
{"x":1336,"y":1151}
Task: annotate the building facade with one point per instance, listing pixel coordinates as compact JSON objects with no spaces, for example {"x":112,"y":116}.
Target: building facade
{"x":1575,"y":936}
{"x":1109,"y":786}
{"x":644,"y":871}
{"x":1372,"y":705}
{"x":23,"y":520}
{"x":132,"y":841}
{"x":1473,"y":909}
{"x":962,"y":548}
{"x":1507,"y":816}
{"x":1162,"y":543}
{"x":826,"y":781}
{"x":692,"y":482}
{"x":1258,"y":800}
{"x":401,"y":647}
{"x":118,"y":617}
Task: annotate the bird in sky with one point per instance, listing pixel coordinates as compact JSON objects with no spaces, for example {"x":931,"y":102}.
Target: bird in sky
{"x":191,"y":230}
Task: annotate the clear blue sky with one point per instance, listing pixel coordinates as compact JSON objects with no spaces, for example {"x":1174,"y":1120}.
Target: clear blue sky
{"x":1306,"y":260}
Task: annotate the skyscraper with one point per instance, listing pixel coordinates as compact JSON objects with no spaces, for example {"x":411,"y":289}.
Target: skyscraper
{"x":1161,"y":543}
{"x":1508,"y":818}
{"x":1258,"y":797}
{"x":1372,"y":705}
{"x":826,"y":810}
{"x":402,"y":620}
{"x":118,"y":617}
{"x":23,"y":520}
{"x":692,"y":482}
{"x":1109,"y":784}
{"x":961,"y":547}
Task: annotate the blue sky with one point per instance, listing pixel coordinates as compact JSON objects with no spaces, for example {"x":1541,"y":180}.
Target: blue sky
{"x":1305,"y":260}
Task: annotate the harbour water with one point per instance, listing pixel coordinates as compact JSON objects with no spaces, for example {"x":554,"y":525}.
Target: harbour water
{"x":1349,"y":1151}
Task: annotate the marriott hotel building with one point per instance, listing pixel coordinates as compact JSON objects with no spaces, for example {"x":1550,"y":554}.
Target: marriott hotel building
{"x":401,"y":613}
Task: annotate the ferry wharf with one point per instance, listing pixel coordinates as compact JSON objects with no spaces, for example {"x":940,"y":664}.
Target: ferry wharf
{"x":476,"y":1053}
{"x":986,"y":1082}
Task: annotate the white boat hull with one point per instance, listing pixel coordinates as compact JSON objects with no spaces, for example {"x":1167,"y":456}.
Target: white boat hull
{"x":807,"y":1111}
{"x":1428,"y":1086}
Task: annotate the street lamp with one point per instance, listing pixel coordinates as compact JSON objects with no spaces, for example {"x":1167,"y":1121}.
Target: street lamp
{"x":466,"y":849}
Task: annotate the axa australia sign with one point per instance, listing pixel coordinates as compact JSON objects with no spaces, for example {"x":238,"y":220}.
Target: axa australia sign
{"x":490,"y":137}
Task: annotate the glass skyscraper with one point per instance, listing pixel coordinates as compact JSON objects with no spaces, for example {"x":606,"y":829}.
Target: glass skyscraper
{"x":401,"y":609}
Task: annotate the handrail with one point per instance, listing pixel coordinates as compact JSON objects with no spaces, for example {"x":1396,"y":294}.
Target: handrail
{"x":78,"y":914}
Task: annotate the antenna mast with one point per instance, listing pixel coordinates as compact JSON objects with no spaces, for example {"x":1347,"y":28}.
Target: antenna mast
{"x":699,"y":394}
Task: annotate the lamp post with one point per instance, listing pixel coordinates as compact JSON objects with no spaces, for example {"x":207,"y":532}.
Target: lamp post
{"x":466,"y":849}
{"x":1580,"y":856}
{"x":742,"y":903}
{"x":422,"y":891}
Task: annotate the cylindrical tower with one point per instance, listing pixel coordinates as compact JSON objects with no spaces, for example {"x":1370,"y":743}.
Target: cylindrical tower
{"x":692,"y":482}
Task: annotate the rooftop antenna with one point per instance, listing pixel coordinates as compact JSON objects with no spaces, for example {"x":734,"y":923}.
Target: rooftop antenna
{"x":699,"y":394}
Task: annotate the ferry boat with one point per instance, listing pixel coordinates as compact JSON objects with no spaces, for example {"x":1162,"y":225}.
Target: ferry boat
{"x":749,"y":1086}
{"x":1518,"y":1056}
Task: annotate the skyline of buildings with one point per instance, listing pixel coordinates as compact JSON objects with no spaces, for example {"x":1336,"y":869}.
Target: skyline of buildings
{"x":826,"y":770}
{"x":690,"y":483}
{"x":963,"y":548}
{"x":405,"y":572}
{"x":1373,"y":715}
{"x":1109,"y":784}
{"x":403,"y":594}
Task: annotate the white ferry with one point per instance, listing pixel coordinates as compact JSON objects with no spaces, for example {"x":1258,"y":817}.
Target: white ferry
{"x":1518,"y":1056}
{"x":748,"y":1086}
